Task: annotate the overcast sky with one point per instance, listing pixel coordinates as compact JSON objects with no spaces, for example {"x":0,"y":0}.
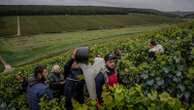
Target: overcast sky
{"x":164,"y":5}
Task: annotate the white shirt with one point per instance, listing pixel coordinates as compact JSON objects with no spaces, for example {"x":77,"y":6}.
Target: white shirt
{"x":90,"y":73}
{"x":158,"y":49}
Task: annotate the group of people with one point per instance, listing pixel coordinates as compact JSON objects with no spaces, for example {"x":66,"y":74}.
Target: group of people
{"x":76,"y":79}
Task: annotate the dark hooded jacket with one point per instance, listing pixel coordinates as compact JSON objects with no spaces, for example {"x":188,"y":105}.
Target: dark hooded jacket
{"x":74,"y":85}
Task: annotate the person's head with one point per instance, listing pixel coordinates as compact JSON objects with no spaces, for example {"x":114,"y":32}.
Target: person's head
{"x":110,"y":61}
{"x":56,"y":69}
{"x":98,"y":55}
{"x":152,"y":43}
{"x":40,"y":72}
{"x":118,"y":53}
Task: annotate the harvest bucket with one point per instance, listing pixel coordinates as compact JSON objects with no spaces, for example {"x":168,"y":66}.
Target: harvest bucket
{"x":82,"y":54}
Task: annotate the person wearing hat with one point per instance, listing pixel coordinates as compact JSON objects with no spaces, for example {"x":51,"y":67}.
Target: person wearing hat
{"x":56,"y":81}
{"x":37,"y":87}
{"x":106,"y":76}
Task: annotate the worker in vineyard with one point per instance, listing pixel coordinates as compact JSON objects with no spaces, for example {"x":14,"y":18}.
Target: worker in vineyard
{"x":23,"y":83}
{"x":74,"y":85}
{"x":106,"y":76}
{"x":154,"y":49}
{"x":90,"y":72}
{"x":56,"y":81}
{"x":118,"y":53}
{"x":98,"y":58}
{"x":37,"y":87}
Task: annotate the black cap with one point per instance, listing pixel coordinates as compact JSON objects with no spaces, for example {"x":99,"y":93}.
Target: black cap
{"x":110,"y":56}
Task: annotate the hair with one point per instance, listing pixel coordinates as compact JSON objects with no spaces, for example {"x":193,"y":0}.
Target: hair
{"x":109,"y":57}
{"x":56,"y":68}
{"x":153,"y":42}
{"x":117,"y":51}
{"x":39,"y":69}
{"x":98,"y":55}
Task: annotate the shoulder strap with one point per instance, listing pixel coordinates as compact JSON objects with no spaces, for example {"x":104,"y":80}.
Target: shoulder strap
{"x":104,"y":72}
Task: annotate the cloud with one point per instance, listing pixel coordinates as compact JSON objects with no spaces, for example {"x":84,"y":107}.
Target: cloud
{"x":165,"y":5}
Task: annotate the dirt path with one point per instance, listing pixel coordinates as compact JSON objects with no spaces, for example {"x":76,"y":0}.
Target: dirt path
{"x":7,"y":67}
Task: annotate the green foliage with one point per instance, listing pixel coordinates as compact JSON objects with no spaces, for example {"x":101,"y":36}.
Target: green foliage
{"x":121,"y":98}
{"x":54,"y":104}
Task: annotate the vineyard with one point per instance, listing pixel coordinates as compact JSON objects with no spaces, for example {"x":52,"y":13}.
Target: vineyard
{"x":18,"y":51}
{"x":166,"y":83}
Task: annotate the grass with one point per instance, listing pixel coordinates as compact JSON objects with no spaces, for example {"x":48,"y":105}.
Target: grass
{"x":55,"y":24}
{"x":21,"y":50}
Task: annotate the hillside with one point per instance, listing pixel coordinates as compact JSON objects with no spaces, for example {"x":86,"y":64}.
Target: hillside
{"x":183,"y":14}
{"x":191,"y":16}
{"x":56,"y":24}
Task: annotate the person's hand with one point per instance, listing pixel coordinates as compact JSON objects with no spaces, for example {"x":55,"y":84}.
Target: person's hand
{"x":62,"y":82}
{"x":74,"y":54}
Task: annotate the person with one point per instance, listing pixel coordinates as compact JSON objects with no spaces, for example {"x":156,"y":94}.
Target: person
{"x":154,"y":49}
{"x":37,"y":87}
{"x":118,"y":53}
{"x":23,"y":83}
{"x":106,"y":76}
{"x":98,"y":59}
{"x":74,"y":85}
{"x":90,"y":72}
{"x":56,"y":81}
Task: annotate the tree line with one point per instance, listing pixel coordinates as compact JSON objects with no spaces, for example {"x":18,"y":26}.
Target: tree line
{"x":10,"y":10}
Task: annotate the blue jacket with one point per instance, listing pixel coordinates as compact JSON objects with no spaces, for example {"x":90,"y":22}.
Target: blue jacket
{"x":35,"y":91}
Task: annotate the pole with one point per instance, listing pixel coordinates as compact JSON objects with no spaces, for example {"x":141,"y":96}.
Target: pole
{"x":18,"y":26}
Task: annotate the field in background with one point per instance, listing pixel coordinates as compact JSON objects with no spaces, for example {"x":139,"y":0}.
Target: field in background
{"x":55,"y":24}
{"x":20,"y":50}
